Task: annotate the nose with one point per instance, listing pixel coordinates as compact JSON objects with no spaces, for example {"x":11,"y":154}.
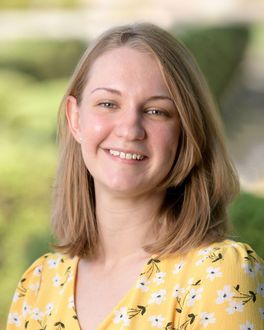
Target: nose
{"x":130,"y":125}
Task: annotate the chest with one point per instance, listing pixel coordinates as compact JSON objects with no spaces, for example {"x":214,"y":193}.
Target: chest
{"x":98,"y":293}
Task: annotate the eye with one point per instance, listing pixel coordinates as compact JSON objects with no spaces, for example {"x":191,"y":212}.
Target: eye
{"x":156,"y":112}
{"x":107,"y":104}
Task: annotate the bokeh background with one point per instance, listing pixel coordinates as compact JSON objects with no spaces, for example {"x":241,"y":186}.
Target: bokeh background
{"x":40,"y":44}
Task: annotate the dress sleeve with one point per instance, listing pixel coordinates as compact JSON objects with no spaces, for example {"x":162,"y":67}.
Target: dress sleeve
{"x":25,"y":295}
{"x":226,"y":291}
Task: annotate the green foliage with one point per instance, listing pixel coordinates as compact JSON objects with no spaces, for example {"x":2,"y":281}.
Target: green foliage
{"x":247,"y":214}
{"x":218,"y":51}
{"x":42,"y":59}
{"x":28,"y":160}
{"x":26,"y":4}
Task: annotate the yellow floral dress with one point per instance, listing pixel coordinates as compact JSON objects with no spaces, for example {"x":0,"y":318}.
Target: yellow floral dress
{"x":217,"y":287}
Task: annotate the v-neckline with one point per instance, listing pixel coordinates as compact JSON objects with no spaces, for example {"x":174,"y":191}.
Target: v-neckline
{"x":121,"y":301}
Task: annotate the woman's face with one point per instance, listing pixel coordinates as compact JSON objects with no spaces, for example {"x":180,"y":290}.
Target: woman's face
{"x":127,"y":123}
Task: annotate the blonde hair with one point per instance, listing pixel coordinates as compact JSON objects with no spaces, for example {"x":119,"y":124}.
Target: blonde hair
{"x":202,"y":181}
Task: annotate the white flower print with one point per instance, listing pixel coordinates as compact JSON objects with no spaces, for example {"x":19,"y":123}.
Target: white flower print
{"x":61,"y":292}
{"x":49,"y":308}
{"x":193,"y":296}
{"x":190,"y":281}
{"x":37,"y":270}
{"x":177,"y":291}
{"x":122,"y":316}
{"x":205,"y":252}
{"x":235,"y":306}
{"x":178,"y":267}
{"x":260,"y":289}
{"x":158,"y":297}
{"x":259,"y":268}
{"x":143,"y":284}
{"x":34,"y":286}
{"x":25,"y":309}
{"x":207,"y":318}
{"x":159,"y":278}
{"x":56,"y":280}
{"x":70,"y":277}
{"x":224,"y":295}
{"x":213,"y":273}
{"x":261,"y":311}
{"x":156,"y":321}
{"x":246,"y":326}
{"x":71,"y":302}
{"x":248,"y":268}
{"x":36,"y":314}
{"x":15,"y":296}
{"x":53,"y":263}
{"x":14,"y":318}
{"x":201,"y":261}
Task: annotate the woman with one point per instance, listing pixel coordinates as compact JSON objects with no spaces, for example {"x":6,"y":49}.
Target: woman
{"x":142,"y":188}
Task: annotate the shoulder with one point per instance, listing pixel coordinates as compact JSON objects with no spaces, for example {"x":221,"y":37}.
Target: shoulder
{"x":47,"y":263}
{"x":31,"y":279}
{"x":221,"y":285}
{"x":48,"y":279}
{"x":40,"y":271}
{"x":230,"y":256}
{"x":46,"y":276}
{"x":227,"y":255}
{"x":212,"y":268}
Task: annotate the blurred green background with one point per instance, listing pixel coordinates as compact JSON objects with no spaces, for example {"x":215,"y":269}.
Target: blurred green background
{"x":33,"y":78}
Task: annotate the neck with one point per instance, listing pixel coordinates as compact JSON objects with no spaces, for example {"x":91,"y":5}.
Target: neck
{"x":126,"y":225}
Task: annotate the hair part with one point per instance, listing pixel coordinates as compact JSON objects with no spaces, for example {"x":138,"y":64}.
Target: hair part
{"x":202,"y":181}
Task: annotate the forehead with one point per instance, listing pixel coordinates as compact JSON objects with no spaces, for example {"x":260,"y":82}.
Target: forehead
{"x":128,"y":66}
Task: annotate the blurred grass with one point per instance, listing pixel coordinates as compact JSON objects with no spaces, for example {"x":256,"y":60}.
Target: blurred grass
{"x":29,"y":99}
{"x":27,"y":4}
{"x":247,"y":216}
{"x":213,"y":48}
{"x":257,"y":38}
{"x":28,"y":158}
{"x":47,"y":59}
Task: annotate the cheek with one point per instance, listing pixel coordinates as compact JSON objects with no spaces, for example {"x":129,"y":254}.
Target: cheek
{"x":166,"y":141}
{"x":93,"y":127}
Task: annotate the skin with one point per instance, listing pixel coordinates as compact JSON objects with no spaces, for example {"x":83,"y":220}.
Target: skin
{"x":117,"y":113}
{"x":125,"y":107}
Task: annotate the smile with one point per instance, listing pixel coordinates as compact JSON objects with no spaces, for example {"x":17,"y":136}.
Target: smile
{"x":124,"y":155}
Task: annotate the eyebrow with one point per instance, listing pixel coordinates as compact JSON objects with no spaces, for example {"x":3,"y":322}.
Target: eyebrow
{"x":115,"y":91}
{"x":111,"y":90}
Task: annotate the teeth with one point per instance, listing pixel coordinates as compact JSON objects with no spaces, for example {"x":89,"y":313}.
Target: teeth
{"x":114,"y":153}
{"x":128,"y":156}
{"x":124,"y":155}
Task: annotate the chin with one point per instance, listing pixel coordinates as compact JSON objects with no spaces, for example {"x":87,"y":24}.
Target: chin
{"x":126,"y":189}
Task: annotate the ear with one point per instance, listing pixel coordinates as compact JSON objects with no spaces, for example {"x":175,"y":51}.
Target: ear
{"x":73,"y":117}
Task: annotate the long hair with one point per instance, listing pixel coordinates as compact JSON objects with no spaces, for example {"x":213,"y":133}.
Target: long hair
{"x":202,"y":181}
